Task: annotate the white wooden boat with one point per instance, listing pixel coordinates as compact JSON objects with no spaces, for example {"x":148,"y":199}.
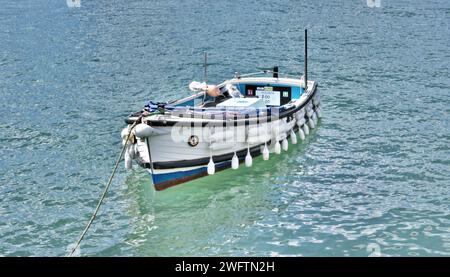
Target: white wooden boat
{"x":219,"y":127}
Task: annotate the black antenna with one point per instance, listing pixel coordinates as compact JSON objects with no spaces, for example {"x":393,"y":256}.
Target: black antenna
{"x":205,"y":65}
{"x":275,"y":71}
{"x":306,"y":60}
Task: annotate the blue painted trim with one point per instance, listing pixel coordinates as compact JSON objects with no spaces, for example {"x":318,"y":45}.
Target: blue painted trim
{"x":164,"y":177}
{"x":296,"y":92}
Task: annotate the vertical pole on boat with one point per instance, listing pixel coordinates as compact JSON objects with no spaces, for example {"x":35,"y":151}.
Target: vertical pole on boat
{"x":204,"y":66}
{"x":306,"y":60}
{"x":205,"y":76}
{"x":275,"y":71}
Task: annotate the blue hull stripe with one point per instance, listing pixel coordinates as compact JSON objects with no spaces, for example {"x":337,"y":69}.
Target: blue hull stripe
{"x":164,"y":177}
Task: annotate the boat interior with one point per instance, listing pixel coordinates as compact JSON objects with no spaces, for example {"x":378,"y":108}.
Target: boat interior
{"x":254,"y":92}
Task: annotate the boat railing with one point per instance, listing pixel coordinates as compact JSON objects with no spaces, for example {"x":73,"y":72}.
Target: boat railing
{"x":237,"y":75}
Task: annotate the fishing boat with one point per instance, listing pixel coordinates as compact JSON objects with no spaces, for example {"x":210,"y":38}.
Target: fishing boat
{"x":221,"y":126}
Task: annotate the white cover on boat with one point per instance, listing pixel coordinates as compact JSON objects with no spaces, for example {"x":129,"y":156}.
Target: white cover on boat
{"x":243,"y":103}
{"x":144,"y":131}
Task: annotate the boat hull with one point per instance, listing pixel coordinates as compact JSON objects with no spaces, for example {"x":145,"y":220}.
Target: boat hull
{"x":166,"y":178}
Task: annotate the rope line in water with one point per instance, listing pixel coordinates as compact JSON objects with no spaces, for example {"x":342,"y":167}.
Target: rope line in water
{"x":104,"y":191}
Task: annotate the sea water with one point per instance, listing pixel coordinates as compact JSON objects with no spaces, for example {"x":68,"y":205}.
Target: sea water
{"x":372,"y":179}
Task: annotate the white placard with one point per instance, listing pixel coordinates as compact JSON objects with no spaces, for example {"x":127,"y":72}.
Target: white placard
{"x":268,"y":95}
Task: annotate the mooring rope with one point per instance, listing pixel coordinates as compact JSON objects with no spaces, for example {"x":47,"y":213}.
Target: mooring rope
{"x":105,"y":190}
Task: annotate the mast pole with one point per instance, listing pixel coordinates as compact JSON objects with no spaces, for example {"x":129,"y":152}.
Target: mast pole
{"x":204,"y":66}
{"x":306,"y":60}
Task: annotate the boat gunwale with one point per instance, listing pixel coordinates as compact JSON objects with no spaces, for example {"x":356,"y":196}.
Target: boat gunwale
{"x":239,"y":121}
{"x":196,"y":119}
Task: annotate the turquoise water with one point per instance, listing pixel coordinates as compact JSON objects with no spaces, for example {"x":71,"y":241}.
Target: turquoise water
{"x":372,"y":179}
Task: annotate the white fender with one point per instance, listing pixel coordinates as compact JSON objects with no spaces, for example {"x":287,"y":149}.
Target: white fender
{"x":301,"y":134}
{"x":293,"y":137}
{"x":306,"y":129}
{"x":301,"y":121}
{"x":211,"y":167}
{"x":277,"y":147}
{"x":315,"y":118}
{"x":136,"y":150}
{"x":319,"y":112}
{"x":309,"y":112}
{"x":248,"y":159}
{"x":284,"y":144}
{"x":265,"y":152}
{"x":124,"y":134}
{"x":235,"y":161}
{"x":316,"y":99}
{"x":131,"y":151}
{"x":311,"y":123}
{"x":300,"y":114}
{"x":128,"y":159}
{"x":144,"y":131}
